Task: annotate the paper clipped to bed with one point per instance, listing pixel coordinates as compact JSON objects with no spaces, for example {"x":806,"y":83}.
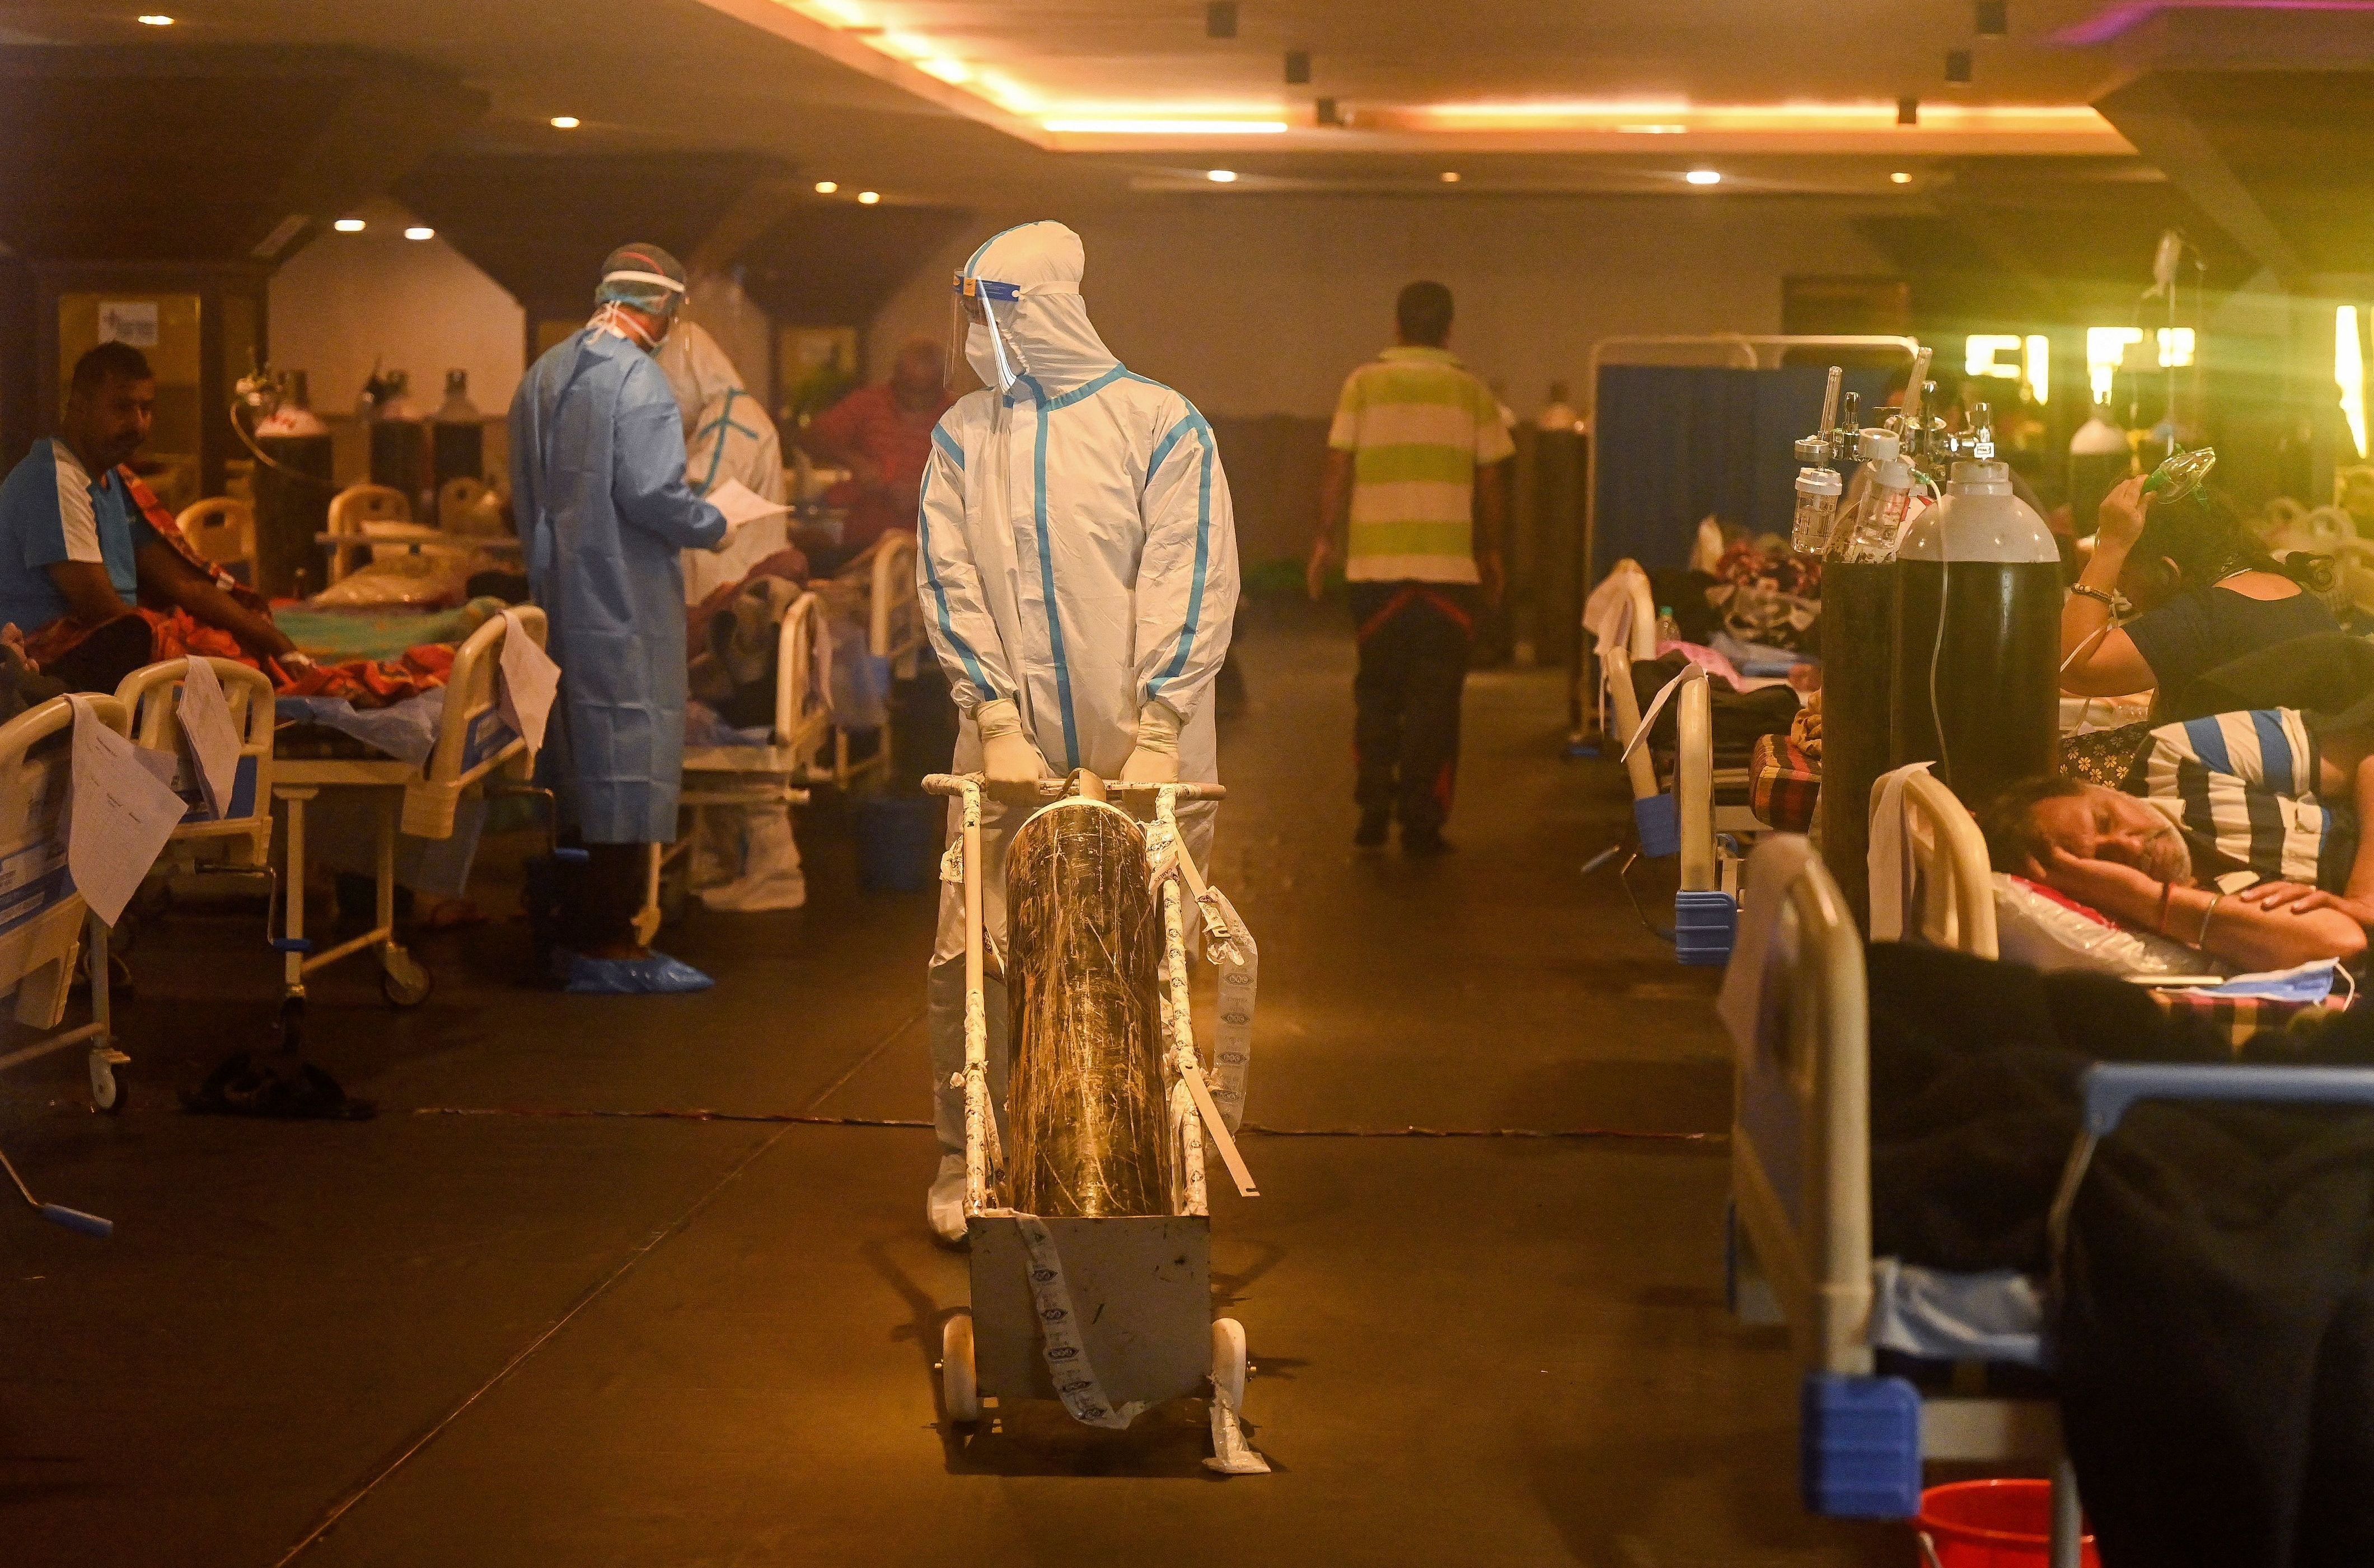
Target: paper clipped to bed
{"x":529,"y":680}
{"x":119,"y":814}
{"x":213,"y":739}
{"x":742,"y":505}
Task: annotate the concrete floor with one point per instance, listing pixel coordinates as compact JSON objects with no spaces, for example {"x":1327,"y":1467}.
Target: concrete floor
{"x":517,"y":1338}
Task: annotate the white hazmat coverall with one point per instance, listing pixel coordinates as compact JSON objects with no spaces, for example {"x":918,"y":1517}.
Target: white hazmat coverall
{"x":1077,"y":562}
{"x":743,"y":859}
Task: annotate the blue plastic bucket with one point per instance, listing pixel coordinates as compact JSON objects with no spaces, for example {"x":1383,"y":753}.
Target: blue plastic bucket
{"x":899,"y":843}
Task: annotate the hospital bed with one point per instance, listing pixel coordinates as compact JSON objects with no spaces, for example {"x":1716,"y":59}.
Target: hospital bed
{"x":1685,"y":812}
{"x":1945,"y":883}
{"x":1799,"y":1250}
{"x":239,"y":842}
{"x":894,"y":632}
{"x":374,"y":523}
{"x":476,"y":748}
{"x":768,"y":774}
{"x":41,"y":914}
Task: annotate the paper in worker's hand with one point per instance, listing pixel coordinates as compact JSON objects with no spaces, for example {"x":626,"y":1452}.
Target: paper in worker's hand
{"x":119,"y":814}
{"x":741,"y":504}
{"x":213,"y":739}
{"x":529,"y":680}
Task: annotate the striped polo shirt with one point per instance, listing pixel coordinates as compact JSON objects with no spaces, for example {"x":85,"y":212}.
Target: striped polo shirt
{"x":1418,"y":424}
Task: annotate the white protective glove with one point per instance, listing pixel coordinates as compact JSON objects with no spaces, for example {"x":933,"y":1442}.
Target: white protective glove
{"x":1155,"y":760}
{"x":1007,"y":756}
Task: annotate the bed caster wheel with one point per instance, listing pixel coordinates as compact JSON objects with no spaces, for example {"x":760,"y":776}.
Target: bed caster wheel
{"x":402,"y":980}
{"x":959,"y":1389}
{"x":1229,"y":1363}
{"x":108,"y":1089}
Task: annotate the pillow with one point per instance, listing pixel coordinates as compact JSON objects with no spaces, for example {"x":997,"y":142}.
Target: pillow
{"x":2043,"y":929}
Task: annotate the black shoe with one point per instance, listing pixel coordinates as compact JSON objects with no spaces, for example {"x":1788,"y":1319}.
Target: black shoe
{"x":1428,"y":843}
{"x":1370,"y":834}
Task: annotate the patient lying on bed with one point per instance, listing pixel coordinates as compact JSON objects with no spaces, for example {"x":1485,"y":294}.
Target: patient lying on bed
{"x":2238,"y":837}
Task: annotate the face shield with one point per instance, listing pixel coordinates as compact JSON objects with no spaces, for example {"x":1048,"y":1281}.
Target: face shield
{"x":981,"y":331}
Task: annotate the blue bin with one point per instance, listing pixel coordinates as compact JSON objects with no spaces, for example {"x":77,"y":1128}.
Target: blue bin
{"x":899,"y":843}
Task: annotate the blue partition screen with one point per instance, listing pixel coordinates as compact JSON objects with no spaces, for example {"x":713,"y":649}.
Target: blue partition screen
{"x":1671,"y":444}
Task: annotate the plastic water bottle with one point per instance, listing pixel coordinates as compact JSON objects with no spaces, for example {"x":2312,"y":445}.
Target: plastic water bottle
{"x":1669,"y":630}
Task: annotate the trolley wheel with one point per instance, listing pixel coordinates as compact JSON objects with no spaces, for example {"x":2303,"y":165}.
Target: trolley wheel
{"x":402,"y":979}
{"x":108,"y":1088}
{"x":959,"y":1389}
{"x":1228,"y":1362}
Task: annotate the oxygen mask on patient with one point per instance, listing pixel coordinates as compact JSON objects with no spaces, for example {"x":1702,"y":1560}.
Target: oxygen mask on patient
{"x":2180,"y":474}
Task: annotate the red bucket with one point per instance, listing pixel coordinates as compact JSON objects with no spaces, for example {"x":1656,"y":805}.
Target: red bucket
{"x":1993,"y":1524}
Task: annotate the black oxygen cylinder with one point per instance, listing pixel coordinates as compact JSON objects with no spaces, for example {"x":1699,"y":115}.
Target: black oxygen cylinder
{"x":1858,"y":621}
{"x":400,"y":460}
{"x":1978,"y":625}
{"x":292,"y":505}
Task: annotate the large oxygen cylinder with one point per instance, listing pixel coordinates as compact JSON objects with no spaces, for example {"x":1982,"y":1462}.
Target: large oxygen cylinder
{"x":1978,"y":625}
{"x":1085,"y":1105}
{"x":1858,"y":623}
{"x":457,"y":436}
{"x":292,"y":506}
{"x":2100,"y":458}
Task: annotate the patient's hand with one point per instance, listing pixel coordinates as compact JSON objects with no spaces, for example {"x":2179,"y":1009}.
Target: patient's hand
{"x":2131,"y":894}
{"x":2302,"y":900}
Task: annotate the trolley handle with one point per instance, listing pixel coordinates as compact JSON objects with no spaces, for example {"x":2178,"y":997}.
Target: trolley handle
{"x":1053,"y":789}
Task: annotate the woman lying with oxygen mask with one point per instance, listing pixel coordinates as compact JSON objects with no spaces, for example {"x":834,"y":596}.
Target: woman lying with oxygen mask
{"x":2203,"y":589}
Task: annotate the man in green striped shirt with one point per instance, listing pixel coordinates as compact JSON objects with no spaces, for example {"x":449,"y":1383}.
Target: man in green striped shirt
{"x":1413,"y":473}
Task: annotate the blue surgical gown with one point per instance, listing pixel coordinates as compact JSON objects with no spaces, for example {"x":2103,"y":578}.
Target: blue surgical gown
{"x":597,"y":485}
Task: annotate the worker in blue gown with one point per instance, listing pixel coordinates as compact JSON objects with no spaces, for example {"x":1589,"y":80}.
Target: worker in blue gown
{"x":598,"y":490}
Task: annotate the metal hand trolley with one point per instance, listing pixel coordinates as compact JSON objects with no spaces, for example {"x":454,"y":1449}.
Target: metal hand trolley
{"x":1110,"y":1315}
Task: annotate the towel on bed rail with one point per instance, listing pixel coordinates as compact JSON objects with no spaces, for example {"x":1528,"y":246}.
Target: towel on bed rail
{"x":2215,"y":1349}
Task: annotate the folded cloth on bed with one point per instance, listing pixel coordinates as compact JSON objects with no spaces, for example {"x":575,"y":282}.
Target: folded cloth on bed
{"x":702,"y":727}
{"x":1784,"y":785}
{"x":368,"y":634}
{"x":1739,"y":716}
{"x":2211,"y":1345}
{"x":405,"y":731}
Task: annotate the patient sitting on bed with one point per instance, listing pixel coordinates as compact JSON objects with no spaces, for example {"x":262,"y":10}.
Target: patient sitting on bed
{"x":82,"y":541}
{"x":2238,"y":837}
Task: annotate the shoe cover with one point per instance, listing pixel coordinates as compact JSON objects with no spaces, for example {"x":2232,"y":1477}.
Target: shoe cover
{"x":657,"y":975}
{"x":945,"y":1205}
{"x":771,"y":878}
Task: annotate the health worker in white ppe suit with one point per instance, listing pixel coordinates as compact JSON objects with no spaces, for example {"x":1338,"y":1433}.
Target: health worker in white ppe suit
{"x":745,"y":859}
{"x":1077,"y":562}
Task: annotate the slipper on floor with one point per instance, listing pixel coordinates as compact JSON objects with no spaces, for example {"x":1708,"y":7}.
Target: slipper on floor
{"x":289,"y":1089}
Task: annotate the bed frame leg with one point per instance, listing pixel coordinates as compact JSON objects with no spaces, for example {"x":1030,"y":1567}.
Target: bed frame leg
{"x":292,"y":947}
{"x":2068,"y":1517}
{"x":383,"y":914}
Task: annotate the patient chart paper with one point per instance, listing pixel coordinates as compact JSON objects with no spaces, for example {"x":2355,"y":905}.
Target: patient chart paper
{"x":119,"y":815}
{"x":530,"y":679}
{"x":205,"y":720}
{"x":741,"y":504}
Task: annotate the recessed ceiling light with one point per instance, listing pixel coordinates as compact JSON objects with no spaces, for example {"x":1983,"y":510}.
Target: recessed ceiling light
{"x":348,"y":225}
{"x":1653,"y":130}
{"x":1450,"y":176}
{"x":1167,"y":127}
{"x":564,"y":121}
{"x":1900,"y":177}
{"x":154,"y":19}
{"x":1221,"y":176}
{"x":420,"y":231}
{"x":826,"y":187}
{"x":1703,"y":177}
{"x":868,"y":198}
